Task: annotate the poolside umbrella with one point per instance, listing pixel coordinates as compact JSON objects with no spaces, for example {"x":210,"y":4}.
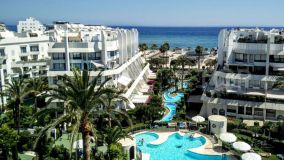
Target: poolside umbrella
{"x":251,"y":156}
{"x":228,"y":137}
{"x":198,"y":119}
{"x":78,"y":144}
{"x":241,"y":146}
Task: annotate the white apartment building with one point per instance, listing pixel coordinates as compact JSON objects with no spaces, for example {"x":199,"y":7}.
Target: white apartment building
{"x":249,"y":61}
{"x":30,"y":25}
{"x":22,"y":54}
{"x":96,"y":48}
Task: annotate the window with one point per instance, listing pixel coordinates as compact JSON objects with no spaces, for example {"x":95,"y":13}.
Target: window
{"x":270,"y":113}
{"x":35,"y":57}
{"x":94,"y":56}
{"x":260,"y":58}
{"x":58,"y":56}
{"x":243,"y":83}
{"x":239,"y":57}
{"x":258,"y":112}
{"x":76,"y":56}
{"x":256,"y":83}
{"x":34,"y":48}
{"x":222,"y":112}
{"x":76,"y":65}
{"x":23,"y":49}
{"x":251,"y":58}
{"x":24,"y":58}
{"x":262,"y":84}
{"x":241,"y":110}
{"x":2,"y":52}
{"x":214,"y":111}
{"x":112,"y":53}
{"x":58,"y":66}
{"x":251,"y":84}
{"x":231,"y":109}
{"x":248,"y":111}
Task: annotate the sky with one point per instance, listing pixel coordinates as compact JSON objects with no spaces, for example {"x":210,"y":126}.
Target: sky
{"x":147,"y":12}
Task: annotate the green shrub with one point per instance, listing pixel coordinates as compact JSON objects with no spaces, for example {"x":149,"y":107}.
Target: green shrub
{"x":115,"y":152}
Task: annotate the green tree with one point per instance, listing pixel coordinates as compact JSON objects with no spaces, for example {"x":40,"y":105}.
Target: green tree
{"x":164,"y":75}
{"x":164,"y":50}
{"x":184,"y":61}
{"x":155,"y":62}
{"x":16,"y":90}
{"x":36,"y":87}
{"x":112,"y":136}
{"x":8,"y":141}
{"x":143,"y":47}
{"x":154,"y":47}
{"x":199,"y":51}
{"x":279,"y":81}
{"x":109,"y":102}
{"x":81,"y":95}
{"x":154,"y":110}
{"x":210,"y":63}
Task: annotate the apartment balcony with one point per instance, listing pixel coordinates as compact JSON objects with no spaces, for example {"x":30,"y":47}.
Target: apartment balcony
{"x":250,"y":48}
{"x":111,"y":45}
{"x":276,"y":48}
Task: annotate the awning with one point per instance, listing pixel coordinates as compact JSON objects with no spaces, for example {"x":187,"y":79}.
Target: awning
{"x":140,"y":99}
{"x":97,"y":64}
{"x":278,"y":68}
{"x":124,"y":80}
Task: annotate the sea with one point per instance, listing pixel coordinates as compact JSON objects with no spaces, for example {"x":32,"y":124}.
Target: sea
{"x":177,"y":37}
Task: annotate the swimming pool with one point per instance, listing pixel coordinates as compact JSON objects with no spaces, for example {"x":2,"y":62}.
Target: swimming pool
{"x":172,"y":111}
{"x":171,"y":100}
{"x":175,"y":148}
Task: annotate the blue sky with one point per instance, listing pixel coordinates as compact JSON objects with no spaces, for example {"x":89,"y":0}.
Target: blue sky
{"x":148,"y":12}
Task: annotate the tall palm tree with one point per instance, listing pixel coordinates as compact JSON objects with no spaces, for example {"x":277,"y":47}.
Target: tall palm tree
{"x":184,"y":61}
{"x":199,"y":51}
{"x":81,"y":95}
{"x":16,"y":90}
{"x":109,"y":102}
{"x":164,"y":49}
{"x":113,"y":135}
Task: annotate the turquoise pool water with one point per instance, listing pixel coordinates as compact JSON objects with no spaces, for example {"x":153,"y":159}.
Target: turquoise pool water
{"x":175,"y":148}
{"x":172,"y":111}
{"x":171,"y":100}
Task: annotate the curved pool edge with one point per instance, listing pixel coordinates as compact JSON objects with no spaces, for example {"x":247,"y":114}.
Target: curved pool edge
{"x":205,"y":149}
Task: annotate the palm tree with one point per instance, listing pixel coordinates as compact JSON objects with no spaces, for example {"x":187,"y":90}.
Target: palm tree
{"x":143,"y":47}
{"x":37,"y":86}
{"x":155,"y":62}
{"x":163,"y":49}
{"x":210,"y":63}
{"x":184,"y":61}
{"x":81,"y":96}
{"x":154,"y":47}
{"x":165,"y":74}
{"x":109,"y":102}
{"x":113,"y":135}
{"x":16,"y":90}
{"x":199,"y":51}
